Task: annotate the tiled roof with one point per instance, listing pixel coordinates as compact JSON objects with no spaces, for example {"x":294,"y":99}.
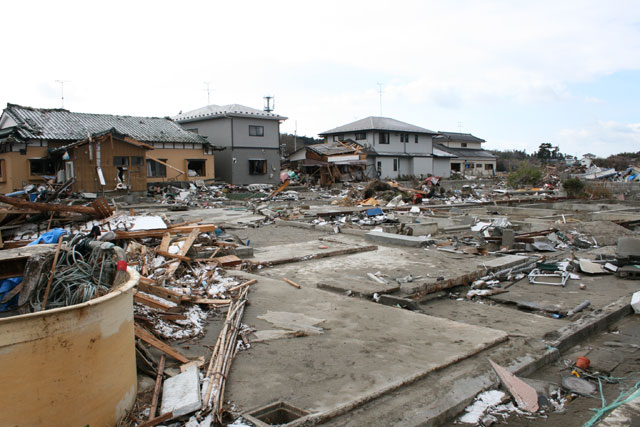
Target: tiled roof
{"x":231,"y":110}
{"x":60,"y":124}
{"x":378,"y":123}
{"x":465,"y":152}
{"x":456,"y":136}
{"x":330,"y":149}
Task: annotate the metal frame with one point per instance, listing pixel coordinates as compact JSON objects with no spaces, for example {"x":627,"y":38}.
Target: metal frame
{"x":536,"y":277}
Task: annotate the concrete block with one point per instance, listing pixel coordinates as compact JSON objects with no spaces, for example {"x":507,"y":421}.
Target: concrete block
{"x":181,"y":393}
{"x":508,"y":238}
{"x":504,"y":262}
{"x":243,"y":252}
{"x":423,"y":229}
{"x":360,"y":288}
{"x":395,"y":301}
{"x":397,"y":239}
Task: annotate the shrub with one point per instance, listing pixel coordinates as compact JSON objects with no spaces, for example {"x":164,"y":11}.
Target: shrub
{"x":525,"y":174}
{"x":573,"y":187}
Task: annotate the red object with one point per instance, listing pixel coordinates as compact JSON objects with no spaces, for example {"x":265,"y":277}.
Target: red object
{"x":121,"y":266}
{"x":582,"y":362}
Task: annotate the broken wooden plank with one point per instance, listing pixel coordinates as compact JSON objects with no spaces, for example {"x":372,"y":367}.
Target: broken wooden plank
{"x":123,"y":235}
{"x":183,"y":223}
{"x":228,"y":260}
{"x":165,"y":163}
{"x":211,"y":301}
{"x":295,"y":285}
{"x":279,"y":189}
{"x":170,"y":255}
{"x":160,"y":291}
{"x":156,"y":389}
{"x":153,"y":303}
{"x":159,"y":419}
{"x":189,"y":242}
{"x":526,"y":396}
{"x":242,"y":285}
{"x":48,"y":207}
{"x":53,"y":270}
{"x":166,"y":241}
{"x":150,"y":339}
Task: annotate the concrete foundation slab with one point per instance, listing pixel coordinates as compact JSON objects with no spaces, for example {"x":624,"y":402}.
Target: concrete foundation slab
{"x":366,"y":349}
{"x":397,"y":239}
{"x":362,"y":288}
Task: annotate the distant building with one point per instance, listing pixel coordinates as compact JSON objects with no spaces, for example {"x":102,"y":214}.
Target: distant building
{"x":393,"y":148}
{"x":99,"y":151}
{"x":251,"y":139}
{"x":468,"y":156}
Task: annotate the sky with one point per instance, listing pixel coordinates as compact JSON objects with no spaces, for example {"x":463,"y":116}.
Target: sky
{"x":515,"y":73}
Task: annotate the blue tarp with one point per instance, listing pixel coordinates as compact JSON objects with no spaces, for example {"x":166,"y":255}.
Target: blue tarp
{"x":6,"y":286}
{"x":49,"y":237}
{"x":374,"y":212}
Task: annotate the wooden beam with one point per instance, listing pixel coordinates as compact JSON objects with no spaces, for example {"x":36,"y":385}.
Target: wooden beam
{"x":156,"y":388}
{"x":176,"y":256}
{"x":164,"y":417}
{"x":164,"y":163}
{"x":120,"y":235}
{"x":166,"y":241}
{"x":48,"y":207}
{"x":150,"y":339}
{"x":159,"y":291}
{"x":150,"y":302}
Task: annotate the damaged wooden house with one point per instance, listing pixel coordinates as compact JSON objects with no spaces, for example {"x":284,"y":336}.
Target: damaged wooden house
{"x":331,"y":162}
{"x":99,"y":152}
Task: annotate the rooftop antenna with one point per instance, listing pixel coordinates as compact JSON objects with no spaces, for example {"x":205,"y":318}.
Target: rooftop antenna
{"x":460,"y":127}
{"x":268,"y":105}
{"x":208,"y":92}
{"x":380,"y":92}
{"x":62,"y":82}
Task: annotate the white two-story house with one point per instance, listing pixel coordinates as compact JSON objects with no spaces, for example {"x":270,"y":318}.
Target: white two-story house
{"x":394,"y":148}
{"x":468,"y":156}
{"x":250,"y":137}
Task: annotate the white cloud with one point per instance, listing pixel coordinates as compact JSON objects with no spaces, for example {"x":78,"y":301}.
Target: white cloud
{"x":601,"y":138}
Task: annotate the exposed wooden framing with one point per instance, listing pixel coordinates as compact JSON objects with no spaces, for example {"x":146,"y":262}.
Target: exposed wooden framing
{"x":166,"y":164}
{"x":150,"y":339}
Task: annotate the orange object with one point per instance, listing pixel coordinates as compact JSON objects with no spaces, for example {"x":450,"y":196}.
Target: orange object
{"x":582,"y":362}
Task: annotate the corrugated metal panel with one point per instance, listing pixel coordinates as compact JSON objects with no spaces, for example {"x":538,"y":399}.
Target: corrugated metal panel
{"x":59,"y":124}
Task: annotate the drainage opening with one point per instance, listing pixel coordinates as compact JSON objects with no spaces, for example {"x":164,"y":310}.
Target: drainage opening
{"x":279,"y":413}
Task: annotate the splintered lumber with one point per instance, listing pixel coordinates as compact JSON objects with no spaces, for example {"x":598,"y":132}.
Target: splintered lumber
{"x":211,"y":301}
{"x":170,"y":255}
{"x":49,"y":207}
{"x":123,"y":235}
{"x":193,"y":235}
{"x":150,"y":339}
{"x":166,"y":241}
{"x":325,"y":254}
{"x":159,"y":419}
{"x":227,"y":260}
{"x":159,"y":291}
{"x":242,"y":285}
{"x":53,"y":270}
{"x":156,"y":389}
{"x":181,"y":224}
{"x":295,"y":285}
{"x":279,"y":189}
{"x":150,"y":302}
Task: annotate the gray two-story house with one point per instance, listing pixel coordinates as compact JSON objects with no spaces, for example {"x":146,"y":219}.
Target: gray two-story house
{"x":250,"y":137}
{"x":393,"y":148}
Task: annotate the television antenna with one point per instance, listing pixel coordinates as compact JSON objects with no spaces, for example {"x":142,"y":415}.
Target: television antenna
{"x":62,"y":82}
{"x":380,"y":93}
{"x":208,"y":92}
{"x":269,"y":106}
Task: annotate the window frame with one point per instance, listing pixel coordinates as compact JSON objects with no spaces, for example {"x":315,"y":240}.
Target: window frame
{"x":163,"y":168}
{"x":416,"y":138}
{"x":360,"y":136}
{"x":488,"y":166}
{"x":256,"y":130}
{"x":339,"y":137}
{"x":44,"y":161}
{"x":253,"y":171}
{"x":386,"y":138}
{"x":404,"y":137}
{"x":396,"y":164}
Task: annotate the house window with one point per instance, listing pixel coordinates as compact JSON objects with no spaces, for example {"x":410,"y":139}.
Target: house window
{"x":361,"y":135}
{"x":39,"y":167}
{"x":337,"y":138}
{"x":256,"y":130}
{"x":479,"y":165}
{"x":257,"y":167}
{"x":395,"y":165}
{"x":120,"y":161}
{"x":194,"y":130}
{"x":468,"y":165}
{"x":379,"y":167}
{"x":3,"y":176}
{"x":196,"y":167}
{"x":384,"y":137}
{"x":137,"y":161}
{"x":155,"y":169}
{"x":404,"y":137}
{"x":488,"y":166}
{"x":455,"y":167}
{"x":463,"y":144}
{"x":416,"y":137}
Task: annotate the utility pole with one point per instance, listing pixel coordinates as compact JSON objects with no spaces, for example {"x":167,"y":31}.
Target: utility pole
{"x":62,"y":82}
{"x":295,"y":138}
{"x":380,"y":92}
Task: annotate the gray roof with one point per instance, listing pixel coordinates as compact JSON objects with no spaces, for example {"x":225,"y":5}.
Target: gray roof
{"x":378,"y":123}
{"x":465,"y":152}
{"x":231,"y":110}
{"x":60,"y":124}
{"x":330,"y":149}
{"x":456,"y":136}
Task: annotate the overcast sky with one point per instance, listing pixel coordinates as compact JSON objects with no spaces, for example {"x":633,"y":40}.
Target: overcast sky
{"x":515,"y":73}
